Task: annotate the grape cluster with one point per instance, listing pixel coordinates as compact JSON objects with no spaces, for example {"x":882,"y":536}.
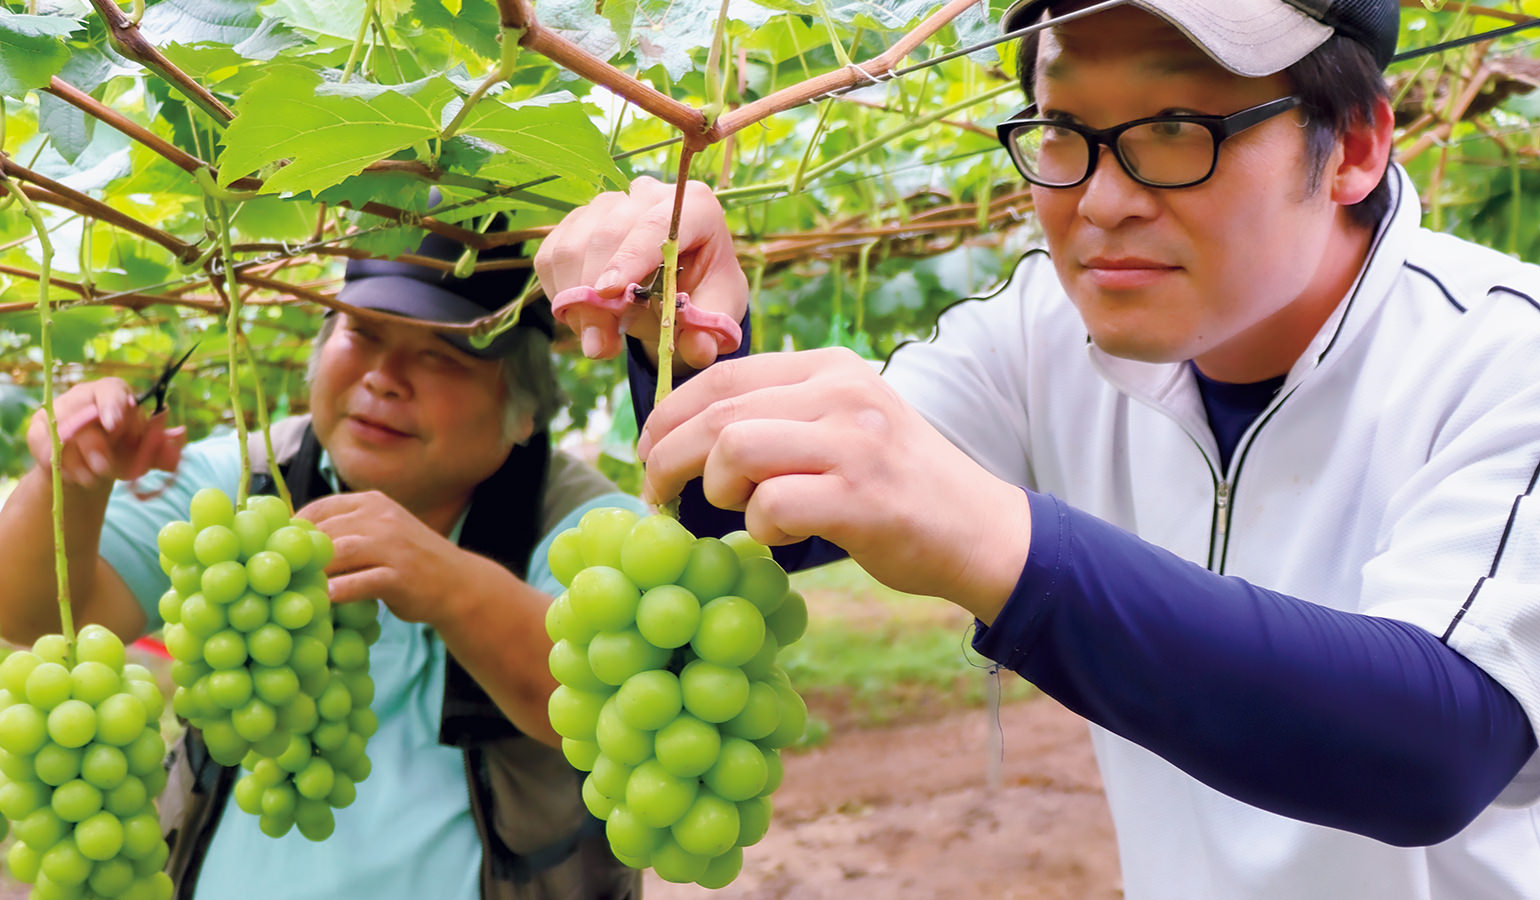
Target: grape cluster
{"x":274,"y":675}
{"x":80,"y":766}
{"x":670,"y":697}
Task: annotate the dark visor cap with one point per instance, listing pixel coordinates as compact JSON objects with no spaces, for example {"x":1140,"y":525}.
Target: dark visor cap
{"x":424,"y":292}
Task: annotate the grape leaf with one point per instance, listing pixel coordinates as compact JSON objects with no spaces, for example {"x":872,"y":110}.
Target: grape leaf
{"x":326,"y":137}
{"x":548,"y":135}
{"x":337,"y":18}
{"x":199,"y":21}
{"x":31,"y":50}
{"x":474,"y":24}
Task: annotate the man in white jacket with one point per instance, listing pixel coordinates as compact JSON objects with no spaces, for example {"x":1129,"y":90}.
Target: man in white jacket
{"x":1241,"y":469}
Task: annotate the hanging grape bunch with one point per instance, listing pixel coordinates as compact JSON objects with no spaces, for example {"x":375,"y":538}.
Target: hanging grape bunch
{"x":80,"y":766}
{"x":669,"y":695}
{"x":274,"y":675}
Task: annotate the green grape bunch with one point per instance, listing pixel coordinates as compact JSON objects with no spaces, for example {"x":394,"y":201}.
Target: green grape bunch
{"x":669,"y":695}
{"x":274,"y":676}
{"x":80,"y":766}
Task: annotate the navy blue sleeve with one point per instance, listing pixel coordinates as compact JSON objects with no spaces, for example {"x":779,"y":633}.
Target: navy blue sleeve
{"x":1356,"y":722}
{"x":699,"y":516}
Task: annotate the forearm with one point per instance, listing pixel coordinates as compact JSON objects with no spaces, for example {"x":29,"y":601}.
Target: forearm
{"x":1352,"y":721}
{"x":29,"y":591}
{"x":495,"y":628}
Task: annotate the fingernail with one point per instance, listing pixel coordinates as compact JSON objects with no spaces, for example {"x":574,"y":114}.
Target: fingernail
{"x":643,"y":446}
{"x":609,"y":280}
{"x":99,"y":463}
{"x":593,"y":341}
{"x":110,"y":419}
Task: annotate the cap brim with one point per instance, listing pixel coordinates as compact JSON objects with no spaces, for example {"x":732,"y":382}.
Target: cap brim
{"x":1252,"y":38}
{"x":419,"y":300}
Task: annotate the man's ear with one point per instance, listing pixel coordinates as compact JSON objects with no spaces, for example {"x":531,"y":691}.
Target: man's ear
{"x":1365,"y":152}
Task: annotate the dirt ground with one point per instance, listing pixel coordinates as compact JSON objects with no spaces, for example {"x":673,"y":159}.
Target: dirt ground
{"x":907,"y":813}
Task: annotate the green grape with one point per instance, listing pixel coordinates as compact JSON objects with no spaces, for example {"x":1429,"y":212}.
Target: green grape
{"x":617,"y":655}
{"x":761,"y":664}
{"x":141,"y":836}
{"x":603,"y":531}
{"x":216,"y":544}
{"x":580,"y":754}
{"x":271,"y":508}
{"x":221,"y":583}
{"x":321,"y":550}
{"x":230,"y":688}
{"x":104,"y":766}
{"x":618,"y":740}
{"x":100,"y":836}
{"x":655,"y":551}
{"x":293,"y":544}
{"x":357,"y":615}
{"x":793,"y":719}
{"x":610,"y":777}
{"x":603,"y":598}
{"x":112,"y":877}
{"x":687,"y":746}
{"x":740,"y":772}
{"x":760,"y":716}
{"x":75,"y":801}
{"x":677,"y":865}
{"x":93,"y":681}
{"x":226,"y":649}
{"x":268,"y":573}
{"x":251,"y":530}
{"x":48,"y":686}
{"x":565,"y":555}
{"x":568,"y":663}
{"x":52,"y":648}
{"x":169,"y":607}
{"x":631,"y":836}
{"x":202,"y":617}
{"x":709,"y":827}
{"x":254,"y":721}
{"x":349,"y":650}
{"x":73,"y":723}
{"x":731,"y":631}
{"x":146,"y":752}
{"x":776,"y":772}
{"x":175,"y":539}
{"x":574,"y":714}
{"x":292,"y":610}
{"x":649,"y":700}
{"x":314,"y":820}
{"x":712,"y":692}
{"x":65,"y":864}
{"x":23,"y":862}
{"x":23,"y":729}
{"x":598,"y":804}
{"x":711,"y":571}
{"x":277,"y":685}
{"x":668,"y":616}
{"x":658,"y":797}
{"x":127,"y":798}
{"x":343,"y":791}
{"x":211,"y":506}
{"x":19,"y":799}
{"x":744,"y":545}
{"x":55,"y":765}
{"x":721,"y":871}
{"x":41,"y":828}
{"x":789,"y":622}
{"x":15,"y":669}
{"x":269,"y":645}
{"x":763,"y":583}
{"x":97,"y":644}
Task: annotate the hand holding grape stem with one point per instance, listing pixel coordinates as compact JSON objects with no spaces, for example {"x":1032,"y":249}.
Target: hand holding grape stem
{"x":106,"y":436}
{"x":816,"y":443}
{"x":615,"y":240}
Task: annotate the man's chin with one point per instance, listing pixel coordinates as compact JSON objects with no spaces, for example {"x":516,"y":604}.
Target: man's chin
{"x":1139,"y":348}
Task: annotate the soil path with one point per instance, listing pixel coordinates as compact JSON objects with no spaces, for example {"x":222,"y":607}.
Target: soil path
{"x":907,"y":813}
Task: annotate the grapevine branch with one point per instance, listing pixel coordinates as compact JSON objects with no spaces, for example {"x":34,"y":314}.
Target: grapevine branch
{"x":125,"y":37}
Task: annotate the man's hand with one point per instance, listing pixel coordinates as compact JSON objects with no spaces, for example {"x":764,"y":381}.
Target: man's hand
{"x":105,"y":436}
{"x":385,"y":552}
{"x":617,"y":239}
{"x":815,"y":443}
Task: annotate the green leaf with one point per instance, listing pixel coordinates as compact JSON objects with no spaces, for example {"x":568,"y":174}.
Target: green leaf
{"x":475,"y":25}
{"x":336,"y":18}
{"x":70,"y":127}
{"x":549,"y":135}
{"x":199,"y":21}
{"x":31,"y":50}
{"x":326,"y":137}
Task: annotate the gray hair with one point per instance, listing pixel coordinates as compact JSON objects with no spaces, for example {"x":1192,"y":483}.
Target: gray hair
{"x":528,"y":370}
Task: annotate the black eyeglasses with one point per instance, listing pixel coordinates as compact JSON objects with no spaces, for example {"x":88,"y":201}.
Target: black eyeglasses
{"x":1160,"y":151}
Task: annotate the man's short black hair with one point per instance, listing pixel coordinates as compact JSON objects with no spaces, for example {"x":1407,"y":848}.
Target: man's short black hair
{"x":1339,"y":83}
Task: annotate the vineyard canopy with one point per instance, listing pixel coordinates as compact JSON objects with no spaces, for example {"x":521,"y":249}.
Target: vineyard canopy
{"x":864,"y":181}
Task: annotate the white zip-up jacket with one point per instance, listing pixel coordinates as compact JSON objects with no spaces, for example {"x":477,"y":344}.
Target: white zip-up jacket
{"x":1392,"y":475}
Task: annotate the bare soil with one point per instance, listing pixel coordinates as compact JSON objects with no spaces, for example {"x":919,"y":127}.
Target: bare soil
{"x":923,"y":811}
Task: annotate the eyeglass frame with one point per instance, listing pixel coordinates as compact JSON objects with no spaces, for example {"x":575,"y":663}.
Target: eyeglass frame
{"x":1221,"y":128}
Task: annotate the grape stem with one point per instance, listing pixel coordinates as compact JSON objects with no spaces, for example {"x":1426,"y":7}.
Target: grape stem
{"x":669,"y":301}
{"x":262,"y":422}
{"x":233,"y":333}
{"x":55,"y":447}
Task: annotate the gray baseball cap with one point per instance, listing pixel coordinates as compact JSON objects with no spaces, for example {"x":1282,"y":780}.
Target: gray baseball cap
{"x":424,"y":292}
{"x":1259,"y":37}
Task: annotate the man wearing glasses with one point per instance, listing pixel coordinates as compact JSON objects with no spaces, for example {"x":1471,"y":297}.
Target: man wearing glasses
{"x":1241,"y":469}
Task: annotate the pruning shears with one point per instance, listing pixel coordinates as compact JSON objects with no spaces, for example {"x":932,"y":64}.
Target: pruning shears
{"x":643,"y":291}
{"x":158,"y":389}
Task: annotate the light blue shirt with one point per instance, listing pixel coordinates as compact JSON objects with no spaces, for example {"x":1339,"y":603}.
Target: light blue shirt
{"x":410,"y":833}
